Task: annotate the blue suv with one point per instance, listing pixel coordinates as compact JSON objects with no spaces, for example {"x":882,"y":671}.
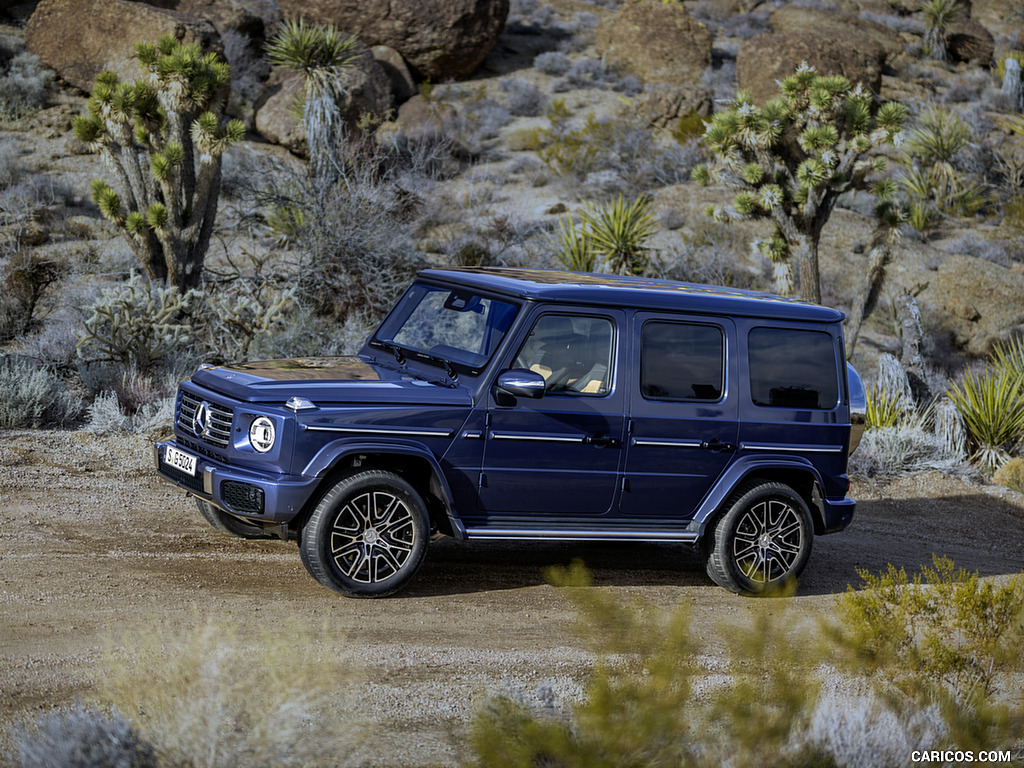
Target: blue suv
{"x":542,"y":405}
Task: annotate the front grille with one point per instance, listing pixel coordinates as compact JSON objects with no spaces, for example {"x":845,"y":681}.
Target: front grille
{"x":242,"y":497}
{"x":213,"y":424}
{"x":192,"y":482}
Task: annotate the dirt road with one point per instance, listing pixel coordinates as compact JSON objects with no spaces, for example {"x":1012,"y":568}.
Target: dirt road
{"x":93,"y":547}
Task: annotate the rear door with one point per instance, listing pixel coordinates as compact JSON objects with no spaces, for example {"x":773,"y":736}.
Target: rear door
{"x":682,"y":413}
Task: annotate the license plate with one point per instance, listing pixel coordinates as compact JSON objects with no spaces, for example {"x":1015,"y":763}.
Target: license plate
{"x":181,"y":461}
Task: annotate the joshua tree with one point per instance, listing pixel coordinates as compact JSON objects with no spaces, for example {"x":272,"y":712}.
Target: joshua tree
{"x":320,"y":55}
{"x":163,"y":137}
{"x":794,"y":157}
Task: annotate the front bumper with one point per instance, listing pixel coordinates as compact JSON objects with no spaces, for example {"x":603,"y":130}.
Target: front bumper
{"x":258,"y":497}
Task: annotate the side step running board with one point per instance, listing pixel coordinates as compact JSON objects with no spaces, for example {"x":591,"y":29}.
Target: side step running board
{"x":580,"y":534}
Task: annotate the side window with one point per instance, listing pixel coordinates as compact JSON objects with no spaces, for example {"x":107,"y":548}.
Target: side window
{"x":681,"y":361}
{"x":793,"y":369}
{"x":572,"y":353}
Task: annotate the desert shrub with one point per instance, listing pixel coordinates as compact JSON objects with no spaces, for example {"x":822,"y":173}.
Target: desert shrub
{"x":939,"y":16}
{"x":642,"y":706}
{"x":611,"y":238}
{"x":709,"y":253}
{"x":107,"y":415}
{"x":137,"y":325}
{"x":1011,"y":474}
{"x":34,"y":397}
{"x":895,"y":450}
{"x":10,"y":164}
{"x":211,"y":697}
{"x":82,"y":737}
{"x":943,"y":638}
{"x":23,"y":82}
{"x":25,"y":279}
{"x":523,"y":97}
{"x":554,"y":63}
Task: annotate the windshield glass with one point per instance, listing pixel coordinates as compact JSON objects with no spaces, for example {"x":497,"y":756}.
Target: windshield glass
{"x":441,"y":324}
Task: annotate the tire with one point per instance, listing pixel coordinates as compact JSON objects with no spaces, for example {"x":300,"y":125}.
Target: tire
{"x":230,"y":524}
{"x":367,"y":536}
{"x":762,"y":542}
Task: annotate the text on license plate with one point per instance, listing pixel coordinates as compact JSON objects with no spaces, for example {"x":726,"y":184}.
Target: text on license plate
{"x":181,"y":461}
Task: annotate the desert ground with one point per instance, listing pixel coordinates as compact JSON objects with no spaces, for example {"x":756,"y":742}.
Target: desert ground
{"x":94,"y":548}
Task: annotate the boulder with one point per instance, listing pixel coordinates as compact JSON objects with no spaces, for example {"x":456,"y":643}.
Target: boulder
{"x":662,"y":105}
{"x":997,"y":15}
{"x":439,"y":39}
{"x":765,"y":60}
{"x":656,"y":41}
{"x":852,"y":30}
{"x":81,"y":38}
{"x":403,"y":87}
{"x":367,"y":88}
{"x":980,"y":302}
{"x":970,"y":41}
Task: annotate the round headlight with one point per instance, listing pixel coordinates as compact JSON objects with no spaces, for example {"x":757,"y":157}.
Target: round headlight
{"x":261,"y":434}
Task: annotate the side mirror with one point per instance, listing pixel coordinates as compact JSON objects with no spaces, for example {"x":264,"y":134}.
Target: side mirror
{"x":519,"y":382}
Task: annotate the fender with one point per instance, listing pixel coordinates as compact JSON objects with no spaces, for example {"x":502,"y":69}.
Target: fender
{"x":329,"y":456}
{"x":740,"y":469}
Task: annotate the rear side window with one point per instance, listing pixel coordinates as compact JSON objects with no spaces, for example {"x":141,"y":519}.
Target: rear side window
{"x":681,"y":361}
{"x":793,"y":369}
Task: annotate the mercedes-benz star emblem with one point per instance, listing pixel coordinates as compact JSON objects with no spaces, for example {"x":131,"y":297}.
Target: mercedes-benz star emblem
{"x":201,"y":420}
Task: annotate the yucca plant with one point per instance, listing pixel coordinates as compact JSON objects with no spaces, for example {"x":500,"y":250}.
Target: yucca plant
{"x":619,"y":233}
{"x":1009,"y":356}
{"x":992,"y":406}
{"x":885,"y":408}
{"x":163,"y":137}
{"x":793,"y":157}
{"x":575,"y":246}
{"x":939,"y":16}
{"x":320,"y":54}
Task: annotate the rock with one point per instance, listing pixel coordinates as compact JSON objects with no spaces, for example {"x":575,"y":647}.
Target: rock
{"x":439,"y":39}
{"x":662,"y":105}
{"x":997,"y":15}
{"x":403,"y":87}
{"x":768,"y":58}
{"x":853,"y":31}
{"x":422,"y":120}
{"x":81,"y":38}
{"x":656,"y":41}
{"x":970,"y":41}
{"x":981,"y":302}
{"x":368,"y":89}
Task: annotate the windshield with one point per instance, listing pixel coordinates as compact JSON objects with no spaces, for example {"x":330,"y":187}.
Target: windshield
{"x":442,"y":325}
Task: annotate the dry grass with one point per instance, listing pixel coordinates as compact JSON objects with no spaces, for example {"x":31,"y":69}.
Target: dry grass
{"x":210,"y":698}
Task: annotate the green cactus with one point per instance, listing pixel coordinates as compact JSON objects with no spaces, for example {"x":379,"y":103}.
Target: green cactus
{"x":162,"y":137}
{"x":793,"y":157}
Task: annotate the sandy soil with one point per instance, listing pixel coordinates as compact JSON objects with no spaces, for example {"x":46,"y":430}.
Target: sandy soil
{"x":93,"y":546}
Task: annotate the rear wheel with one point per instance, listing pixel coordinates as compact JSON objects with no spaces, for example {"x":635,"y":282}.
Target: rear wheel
{"x":229,"y":524}
{"x":368,"y":535}
{"x":763,"y":540}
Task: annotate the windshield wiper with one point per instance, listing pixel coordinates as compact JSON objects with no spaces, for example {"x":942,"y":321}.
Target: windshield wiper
{"x":394,"y":349}
{"x":446,"y":364}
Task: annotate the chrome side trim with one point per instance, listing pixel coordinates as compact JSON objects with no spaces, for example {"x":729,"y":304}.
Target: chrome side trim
{"x":791,"y":448}
{"x":537,"y":438}
{"x":472,"y":434}
{"x":579,"y":534}
{"x":380,"y":431}
{"x":668,"y":443}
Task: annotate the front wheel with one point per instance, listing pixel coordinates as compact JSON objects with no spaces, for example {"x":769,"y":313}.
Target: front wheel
{"x":763,"y":540}
{"x":368,"y":535}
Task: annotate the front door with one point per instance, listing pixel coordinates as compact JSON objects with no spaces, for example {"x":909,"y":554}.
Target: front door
{"x":561,"y":453}
{"x":683,"y":413}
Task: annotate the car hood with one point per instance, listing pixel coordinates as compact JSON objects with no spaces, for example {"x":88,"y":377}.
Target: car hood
{"x":326,"y":380}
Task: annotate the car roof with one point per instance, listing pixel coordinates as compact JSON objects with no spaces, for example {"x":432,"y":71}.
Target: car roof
{"x":631,"y":292}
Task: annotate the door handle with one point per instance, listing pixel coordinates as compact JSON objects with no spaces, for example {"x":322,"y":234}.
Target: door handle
{"x":718,"y":446}
{"x":603,"y":441}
